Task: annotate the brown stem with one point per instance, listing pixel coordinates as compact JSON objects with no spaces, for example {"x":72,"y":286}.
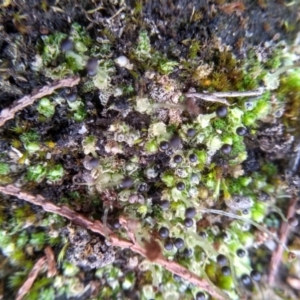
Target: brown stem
{"x":26,"y":286}
{"x":283,"y":235}
{"x":9,"y":113}
{"x":97,"y":227}
{"x":50,"y":261}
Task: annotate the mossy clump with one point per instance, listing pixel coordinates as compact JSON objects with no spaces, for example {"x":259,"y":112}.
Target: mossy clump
{"x":129,"y":142}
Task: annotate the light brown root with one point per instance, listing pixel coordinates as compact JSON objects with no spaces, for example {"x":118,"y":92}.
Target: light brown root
{"x":283,"y":235}
{"x":51,"y":262}
{"x":9,"y":113}
{"x":26,"y":286}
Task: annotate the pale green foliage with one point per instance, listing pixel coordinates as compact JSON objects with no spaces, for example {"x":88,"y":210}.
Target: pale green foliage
{"x":103,"y":76}
{"x":166,"y":67}
{"x":55,"y":173}
{"x":52,"y":46}
{"x":46,"y":108}
{"x":89,"y":145}
{"x":36,"y":173}
{"x":78,"y":109}
{"x":70,"y":269}
{"x":4,"y":168}
{"x":30,"y":140}
{"x":143,"y":48}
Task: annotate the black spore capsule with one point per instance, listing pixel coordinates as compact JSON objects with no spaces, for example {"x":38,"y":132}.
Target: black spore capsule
{"x":188,"y":222}
{"x":164,"y":204}
{"x":164,"y":146}
{"x":222,"y":260}
{"x":116,"y":224}
{"x":180,"y":186}
{"x":168,"y":245}
{"x":193,"y":158}
{"x":200,"y":296}
{"x":163,"y":232}
{"x":241,"y":131}
{"x":246,"y":280}
{"x":255,"y":275}
{"x":191,"y":132}
{"x":190,"y":212}
{"x":240,"y":253}
{"x":187,"y":252}
{"x":93,"y":162}
{"x":92,"y":66}
{"x":177,"y":159}
{"x":179,"y":243}
{"x":226,"y":271}
{"x":70,"y":95}
{"x":126,"y":183}
{"x":202,"y":234}
{"x":66,"y":45}
{"x":226,"y":148}
{"x":175,"y":141}
{"x":222,"y":111}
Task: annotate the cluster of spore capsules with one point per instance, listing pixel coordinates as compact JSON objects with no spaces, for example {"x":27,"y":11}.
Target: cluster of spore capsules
{"x":167,"y":147}
{"x":177,"y":242}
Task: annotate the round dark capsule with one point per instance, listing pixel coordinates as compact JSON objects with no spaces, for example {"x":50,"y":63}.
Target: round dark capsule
{"x":177,"y":159}
{"x":176,"y":277}
{"x":193,"y":158}
{"x":190,"y":212}
{"x":226,"y":271}
{"x":187,"y":252}
{"x":92,"y":66}
{"x":246,"y":280}
{"x":163,"y":232}
{"x":66,"y":45}
{"x":164,"y":204}
{"x":241,"y":131}
{"x":164,"y":146}
{"x":188,"y":222}
{"x":126,"y":183}
{"x":180,"y":186}
{"x":226,"y":148}
{"x":116,"y":224}
{"x":222,"y":260}
{"x":200,"y":296}
{"x":293,"y":222}
{"x":241,"y":253}
{"x":245,"y":212}
{"x":255,"y":275}
{"x":71,"y":96}
{"x":179,"y":243}
{"x":143,"y":187}
{"x":175,"y":141}
{"x":202,"y":234}
{"x":168,"y":245}
{"x":93,"y":162}
{"x":263,"y":196}
{"x":222,"y":111}
{"x":224,"y":235}
{"x":191,"y":132}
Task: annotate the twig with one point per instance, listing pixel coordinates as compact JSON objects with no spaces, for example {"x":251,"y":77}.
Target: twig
{"x":257,"y":92}
{"x":26,"y":286}
{"x":97,"y":227}
{"x":218,"y":96}
{"x":283,"y":235}
{"x":207,"y":97}
{"x":9,"y":113}
{"x":51,"y":262}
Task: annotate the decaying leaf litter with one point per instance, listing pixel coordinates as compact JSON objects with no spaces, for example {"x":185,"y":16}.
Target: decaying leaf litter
{"x":150,"y":145}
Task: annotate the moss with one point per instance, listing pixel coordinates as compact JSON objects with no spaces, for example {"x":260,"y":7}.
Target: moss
{"x":4,"y":168}
{"x":153,"y":92}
